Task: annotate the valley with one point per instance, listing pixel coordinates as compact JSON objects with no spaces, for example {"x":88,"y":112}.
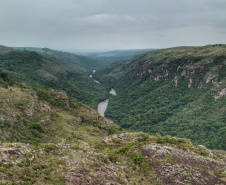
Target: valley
{"x":176,"y":91}
{"x":102,"y":106}
{"x":112,"y":92}
{"x":50,"y":136}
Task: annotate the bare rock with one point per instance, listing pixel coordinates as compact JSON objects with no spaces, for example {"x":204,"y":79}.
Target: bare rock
{"x":176,"y":166}
{"x":15,"y":153}
{"x":62,"y":96}
{"x":45,"y":108}
{"x":219,"y":90}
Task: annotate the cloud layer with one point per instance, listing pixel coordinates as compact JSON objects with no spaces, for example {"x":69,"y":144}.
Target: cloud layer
{"x":112,"y":24}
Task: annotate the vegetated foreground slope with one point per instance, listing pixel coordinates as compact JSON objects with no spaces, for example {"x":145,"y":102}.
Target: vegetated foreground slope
{"x":48,"y":138}
{"x":176,"y":91}
{"x":55,"y":70}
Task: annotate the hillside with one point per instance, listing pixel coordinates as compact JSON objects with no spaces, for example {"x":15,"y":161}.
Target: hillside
{"x":176,"y":91}
{"x":110,"y":57}
{"x":54,"y":70}
{"x":48,"y":138}
{"x":71,"y":61}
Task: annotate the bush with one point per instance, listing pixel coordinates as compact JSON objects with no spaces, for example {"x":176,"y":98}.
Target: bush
{"x":36,"y":126}
{"x":113,"y":157}
{"x":137,"y":158}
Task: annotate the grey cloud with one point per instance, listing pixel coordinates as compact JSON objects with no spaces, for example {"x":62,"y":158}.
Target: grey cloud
{"x":112,"y":24}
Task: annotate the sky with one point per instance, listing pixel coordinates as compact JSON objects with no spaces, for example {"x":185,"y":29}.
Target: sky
{"x":112,"y":24}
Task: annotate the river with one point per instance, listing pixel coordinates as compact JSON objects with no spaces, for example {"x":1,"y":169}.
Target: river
{"x":102,"y":106}
{"x":91,"y":76}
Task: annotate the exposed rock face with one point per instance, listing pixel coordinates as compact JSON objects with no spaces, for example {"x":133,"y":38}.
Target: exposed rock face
{"x":212,"y":78}
{"x":176,"y":80}
{"x":62,"y":96}
{"x":189,"y":83}
{"x":121,"y":137}
{"x":45,"y":108}
{"x":15,"y":152}
{"x":188,"y":67}
{"x":176,"y":166}
{"x":219,"y":90}
{"x":103,"y":174}
{"x":220,"y":93}
{"x":74,"y":172}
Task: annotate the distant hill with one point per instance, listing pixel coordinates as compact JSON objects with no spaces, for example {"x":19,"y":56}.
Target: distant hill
{"x":176,"y":91}
{"x":109,"y":57}
{"x":71,"y":61}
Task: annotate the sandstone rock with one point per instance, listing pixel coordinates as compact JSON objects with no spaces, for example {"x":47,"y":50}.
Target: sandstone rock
{"x":45,"y":108}
{"x":15,"y":152}
{"x":186,"y":168}
{"x":211,"y":78}
{"x":63,"y":96}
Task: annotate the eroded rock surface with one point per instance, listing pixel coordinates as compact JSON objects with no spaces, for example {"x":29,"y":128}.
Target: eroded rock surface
{"x":177,"y":166}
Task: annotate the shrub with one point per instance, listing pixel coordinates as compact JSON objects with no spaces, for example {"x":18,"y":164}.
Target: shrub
{"x":220,"y":173}
{"x":36,"y":126}
{"x":113,"y":157}
{"x":137,"y":158}
{"x":169,"y":159}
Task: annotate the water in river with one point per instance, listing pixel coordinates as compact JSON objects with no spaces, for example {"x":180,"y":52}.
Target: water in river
{"x":102,"y":106}
{"x":113,"y":92}
{"x":91,"y":76}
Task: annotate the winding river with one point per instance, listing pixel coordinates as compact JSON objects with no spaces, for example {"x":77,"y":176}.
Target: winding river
{"x":102,"y":106}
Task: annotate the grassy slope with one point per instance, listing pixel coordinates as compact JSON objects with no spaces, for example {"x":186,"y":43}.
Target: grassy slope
{"x":60,"y":139}
{"x":52,"y":72}
{"x":148,"y":99}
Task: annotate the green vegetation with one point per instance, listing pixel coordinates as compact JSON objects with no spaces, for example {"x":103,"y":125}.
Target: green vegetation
{"x":71,"y":61}
{"x":56,"y":70}
{"x":171,"y":92}
{"x":5,"y":79}
{"x":59,"y":131}
{"x":48,"y":138}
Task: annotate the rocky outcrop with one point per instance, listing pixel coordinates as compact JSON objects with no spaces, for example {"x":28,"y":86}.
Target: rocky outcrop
{"x":219,"y":90}
{"x":210,"y":77}
{"x":62,"y":96}
{"x":45,"y":108}
{"x":176,"y":80}
{"x":15,"y":152}
{"x":176,"y":166}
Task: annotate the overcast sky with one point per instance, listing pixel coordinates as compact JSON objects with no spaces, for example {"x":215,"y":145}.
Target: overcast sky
{"x":112,"y":24}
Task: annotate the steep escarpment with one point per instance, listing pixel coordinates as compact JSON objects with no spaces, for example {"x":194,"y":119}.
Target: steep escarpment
{"x":176,"y":91}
